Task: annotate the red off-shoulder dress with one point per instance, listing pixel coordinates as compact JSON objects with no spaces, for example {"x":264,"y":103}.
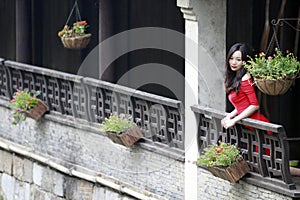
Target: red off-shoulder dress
{"x":244,"y":98}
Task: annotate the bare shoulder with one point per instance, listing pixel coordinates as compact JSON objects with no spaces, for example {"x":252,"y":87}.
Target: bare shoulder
{"x":246,"y":77}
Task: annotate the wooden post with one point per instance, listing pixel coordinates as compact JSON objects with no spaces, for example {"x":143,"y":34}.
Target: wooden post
{"x":23,"y":31}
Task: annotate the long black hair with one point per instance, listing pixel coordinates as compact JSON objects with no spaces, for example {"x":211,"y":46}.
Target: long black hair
{"x":232,"y":78}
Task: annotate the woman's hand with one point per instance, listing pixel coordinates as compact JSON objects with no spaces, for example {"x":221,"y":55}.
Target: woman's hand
{"x":223,"y":121}
{"x":228,"y":117}
{"x":227,"y":123}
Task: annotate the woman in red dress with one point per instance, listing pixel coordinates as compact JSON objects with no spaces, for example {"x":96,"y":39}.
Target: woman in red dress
{"x":239,"y":87}
{"x":241,"y":93}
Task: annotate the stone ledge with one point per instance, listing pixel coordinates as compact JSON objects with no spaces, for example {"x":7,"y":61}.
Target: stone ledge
{"x":264,"y":182}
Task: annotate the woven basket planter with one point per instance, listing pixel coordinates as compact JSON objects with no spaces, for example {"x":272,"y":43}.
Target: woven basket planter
{"x":232,"y":173}
{"x":126,"y":138}
{"x":273,"y":87}
{"x":76,"y":42}
{"x":37,"y":111}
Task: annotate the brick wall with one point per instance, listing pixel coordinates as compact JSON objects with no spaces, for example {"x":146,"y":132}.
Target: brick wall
{"x":211,"y":188}
{"x":80,"y":143}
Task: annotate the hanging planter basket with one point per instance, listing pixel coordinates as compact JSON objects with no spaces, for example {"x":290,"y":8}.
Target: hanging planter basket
{"x":75,"y":37}
{"x":273,"y":87}
{"x":76,"y":42}
{"x":232,"y":173}
{"x":37,"y":111}
{"x":281,"y":67}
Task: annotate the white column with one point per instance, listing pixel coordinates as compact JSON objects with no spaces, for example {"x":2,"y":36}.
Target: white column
{"x":191,"y":98}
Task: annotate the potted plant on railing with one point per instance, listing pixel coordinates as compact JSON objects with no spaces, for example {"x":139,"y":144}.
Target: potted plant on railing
{"x":224,"y":161}
{"x":75,"y":37}
{"x":25,"y":105}
{"x":273,"y":75}
{"x":121,"y":130}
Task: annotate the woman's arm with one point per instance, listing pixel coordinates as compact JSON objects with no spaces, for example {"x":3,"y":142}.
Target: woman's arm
{"x":232,"y":114}
{"x":246,"y":113}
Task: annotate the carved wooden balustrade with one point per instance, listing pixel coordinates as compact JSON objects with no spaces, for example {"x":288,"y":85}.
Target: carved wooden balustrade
{"x":160,"y":118}
{"x":267,"y":155}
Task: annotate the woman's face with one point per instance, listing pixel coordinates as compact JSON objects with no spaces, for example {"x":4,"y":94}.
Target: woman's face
{"x":235,"y":61}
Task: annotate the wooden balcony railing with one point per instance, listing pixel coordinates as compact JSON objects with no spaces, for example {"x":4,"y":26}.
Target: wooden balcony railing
{"x":160,"y":118}
{"x":267,"y":155}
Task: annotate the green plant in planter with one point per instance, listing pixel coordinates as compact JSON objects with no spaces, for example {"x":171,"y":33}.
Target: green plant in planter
{"x":117,"y":123}
{"x":22,"y":101}
{"x":121,"y":130}
{"x":276,"y":67}
{"x":224,"y":161}
{"x":224,"y":155}
{"x":78,"y":28}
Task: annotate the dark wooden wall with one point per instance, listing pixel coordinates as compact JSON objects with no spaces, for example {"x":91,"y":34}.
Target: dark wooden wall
{"x":47,"y":18}
{"x":122,"y":15}
{"x":8,"y":29}
{"x":51,"y":16}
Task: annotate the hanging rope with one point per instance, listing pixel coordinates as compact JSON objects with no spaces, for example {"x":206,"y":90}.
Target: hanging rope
{"x":78,"y":17}
{"x":274,"y":36}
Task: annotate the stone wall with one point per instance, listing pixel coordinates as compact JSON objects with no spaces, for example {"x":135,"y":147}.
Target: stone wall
{"x":80,"y":143}
{"x":211,"y":188}
{"x":24,"y":179}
